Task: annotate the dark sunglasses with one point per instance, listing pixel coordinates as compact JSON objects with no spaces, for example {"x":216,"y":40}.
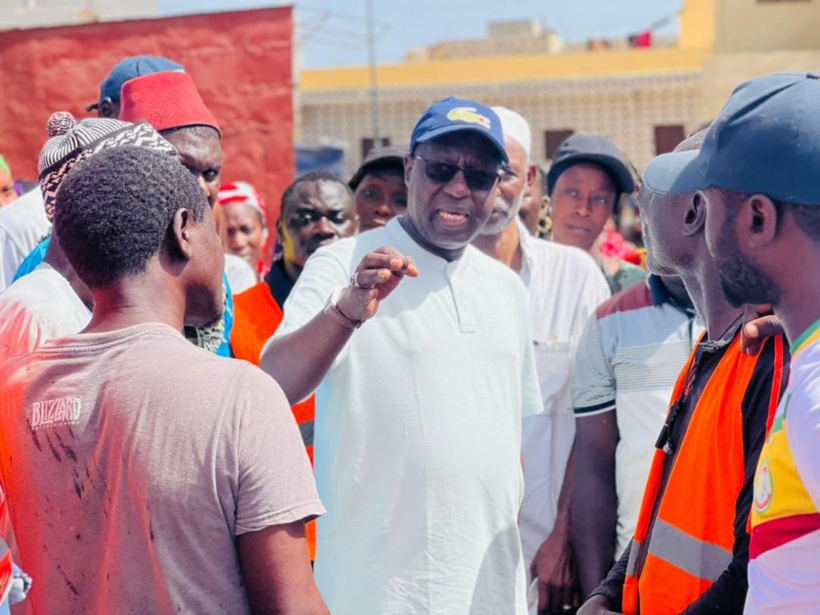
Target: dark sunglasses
{"x":442,"y":172}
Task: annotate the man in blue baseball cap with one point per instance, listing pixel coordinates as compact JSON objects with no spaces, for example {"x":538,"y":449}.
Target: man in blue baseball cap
{"x":759,"y":167}
{"x":418,"y":347}
{"x":109,"y":103}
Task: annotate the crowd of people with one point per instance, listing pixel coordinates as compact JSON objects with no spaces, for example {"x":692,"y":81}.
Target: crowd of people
{"x":446,"y":384}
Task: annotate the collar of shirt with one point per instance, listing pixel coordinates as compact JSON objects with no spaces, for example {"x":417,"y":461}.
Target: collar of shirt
{"x":661,"y":296}
{"x":401,"y":241}
{"x":279,"y":282}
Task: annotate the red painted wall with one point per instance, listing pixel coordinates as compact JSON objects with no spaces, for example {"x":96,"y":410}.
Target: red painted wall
{"x":241,"y":61}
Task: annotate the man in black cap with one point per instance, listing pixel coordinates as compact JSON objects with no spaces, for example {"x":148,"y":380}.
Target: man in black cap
{"x":378,"y":187}
{"x":763,"y":228}
{"x":690,"y":549}
{"x":585,"y":184}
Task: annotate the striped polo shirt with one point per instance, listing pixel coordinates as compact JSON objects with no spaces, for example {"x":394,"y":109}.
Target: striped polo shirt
{"x":628,"y":360}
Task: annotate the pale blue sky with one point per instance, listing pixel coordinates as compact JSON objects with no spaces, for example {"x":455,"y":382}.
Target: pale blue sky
{"x":334,"y":30}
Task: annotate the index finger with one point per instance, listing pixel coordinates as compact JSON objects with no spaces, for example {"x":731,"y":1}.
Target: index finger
{"x":390,"y":258}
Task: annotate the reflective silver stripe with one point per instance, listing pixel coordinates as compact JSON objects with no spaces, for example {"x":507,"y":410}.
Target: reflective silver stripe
{"x":632,"y":563}
{"x":306,"y":429}
{"x":701,"y":559}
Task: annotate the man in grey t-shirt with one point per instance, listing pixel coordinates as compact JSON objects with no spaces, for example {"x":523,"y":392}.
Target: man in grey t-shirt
{"x":143,"y":473}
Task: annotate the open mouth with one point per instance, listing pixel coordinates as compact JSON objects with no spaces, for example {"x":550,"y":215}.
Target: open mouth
{"x":452,"y":218}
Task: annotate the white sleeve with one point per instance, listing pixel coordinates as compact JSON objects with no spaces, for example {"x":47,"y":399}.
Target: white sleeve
{"x":531,"y":400}
{"x":803,"y":418}
{"x":323,"y":273}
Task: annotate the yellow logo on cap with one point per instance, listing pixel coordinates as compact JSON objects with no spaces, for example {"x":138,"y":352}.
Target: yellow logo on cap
{"x":469,"y":115}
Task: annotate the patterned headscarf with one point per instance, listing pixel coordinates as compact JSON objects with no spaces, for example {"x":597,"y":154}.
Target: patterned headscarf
{"x":245,"y":193}
{"x":71,"y":142}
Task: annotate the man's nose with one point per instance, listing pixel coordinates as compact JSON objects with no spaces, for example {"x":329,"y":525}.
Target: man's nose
{"x":323,"y":227}
{"x":457,"y":187}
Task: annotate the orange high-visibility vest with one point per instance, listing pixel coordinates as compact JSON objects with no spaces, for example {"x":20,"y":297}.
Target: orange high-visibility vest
{"x":693,"y":535}
{"x":257,"y":316}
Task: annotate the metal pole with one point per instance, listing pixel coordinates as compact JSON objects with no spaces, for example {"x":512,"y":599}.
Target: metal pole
{"x":374,"y":86}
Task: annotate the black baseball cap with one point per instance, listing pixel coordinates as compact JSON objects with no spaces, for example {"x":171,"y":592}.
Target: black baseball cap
{"x":379,"y":157}
{"x":596,"y":149}
{"x":766,"y":140}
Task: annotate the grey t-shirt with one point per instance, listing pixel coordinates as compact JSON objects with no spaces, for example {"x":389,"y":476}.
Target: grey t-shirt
{"x":132,"y":460}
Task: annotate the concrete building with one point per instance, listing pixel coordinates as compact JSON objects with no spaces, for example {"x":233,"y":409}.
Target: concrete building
{"x":46,"y":13}
{"x":646,"y":99}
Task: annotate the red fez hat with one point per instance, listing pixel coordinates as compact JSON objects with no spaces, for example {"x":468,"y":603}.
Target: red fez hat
{"x":168,"y":99}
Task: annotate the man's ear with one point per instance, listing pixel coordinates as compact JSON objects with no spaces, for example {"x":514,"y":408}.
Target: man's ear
{"x":694,"y":215}
{"x":106,"y":109}
{"x":758,"y":221}
{"x":409,"y":161}
{"x":182,"y":233}
{"x":532,"y":173}
{"x":279,"y":227}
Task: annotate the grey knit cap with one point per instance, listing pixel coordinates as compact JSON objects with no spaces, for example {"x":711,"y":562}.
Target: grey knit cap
{"x":71,"y":142}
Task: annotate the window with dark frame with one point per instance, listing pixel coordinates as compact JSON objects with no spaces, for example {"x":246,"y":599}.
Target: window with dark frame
{"x":553,"y":140}
{"x":668,"y":137}
{"x":368,"y":144}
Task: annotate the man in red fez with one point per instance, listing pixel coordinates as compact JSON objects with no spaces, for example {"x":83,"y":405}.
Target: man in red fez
{"x":170,"y":102}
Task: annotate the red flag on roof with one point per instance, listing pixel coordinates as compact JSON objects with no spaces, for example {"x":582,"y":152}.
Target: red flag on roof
{"x":642,"y":39}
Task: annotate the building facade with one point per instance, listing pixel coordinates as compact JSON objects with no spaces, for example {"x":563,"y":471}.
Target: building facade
{"x":46,"y":13}
{"x":646,"y":99}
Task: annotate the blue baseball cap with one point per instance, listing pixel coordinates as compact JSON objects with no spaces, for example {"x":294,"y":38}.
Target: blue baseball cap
{"x":130,"y":68}
{"x":459,"y":115}
{"x":766,"y":140}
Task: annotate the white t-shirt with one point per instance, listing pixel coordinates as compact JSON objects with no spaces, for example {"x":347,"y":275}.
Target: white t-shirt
{"x":37,"y":307}
{"x":629,"y":359}
{"x":418,"y":435}
{"x":133,"y":459}
{"x":784,"y":552}
{"x":565,"y":286}
{"x":241,"y":275}
{"x":23,"y":225}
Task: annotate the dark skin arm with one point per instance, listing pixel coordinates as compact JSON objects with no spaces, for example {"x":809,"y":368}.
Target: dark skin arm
{"x":277,"y":573}
{"x":552,"y":564}
{"x":300,"y":360}
{"x":594,"y":498}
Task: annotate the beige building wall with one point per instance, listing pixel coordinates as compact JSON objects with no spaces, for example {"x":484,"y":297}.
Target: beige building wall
{"x":622,"y":93}
{"x":723,"y":73}
{"x":766,"y":25}
{"x":625,"y":109}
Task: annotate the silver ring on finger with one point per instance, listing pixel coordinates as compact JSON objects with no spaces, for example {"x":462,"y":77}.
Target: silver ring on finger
{"x":354,"y":280}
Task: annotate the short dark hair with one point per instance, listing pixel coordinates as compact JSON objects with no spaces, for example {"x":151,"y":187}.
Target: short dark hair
{"x":114,"y":211}
{"x":807,"y":216}
{"x":311,"y":177}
